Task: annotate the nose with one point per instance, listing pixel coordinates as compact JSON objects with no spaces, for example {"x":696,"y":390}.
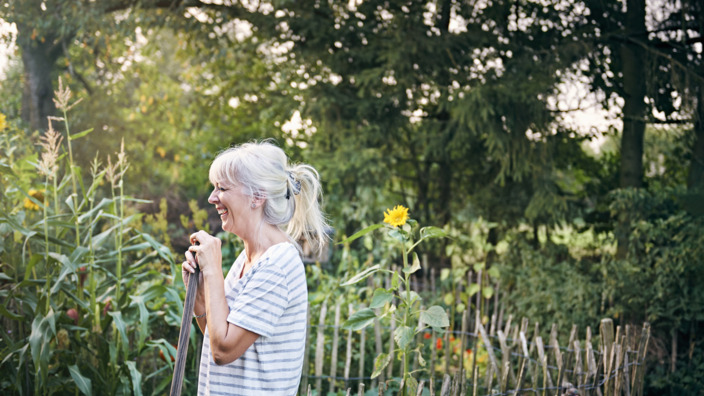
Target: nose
{"x":213,"y":198}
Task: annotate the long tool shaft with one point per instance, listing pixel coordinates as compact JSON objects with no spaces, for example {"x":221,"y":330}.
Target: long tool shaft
{"x":185,"y":333}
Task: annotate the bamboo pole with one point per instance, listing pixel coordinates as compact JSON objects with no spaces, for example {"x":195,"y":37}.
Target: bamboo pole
{"x":306,"y":354}
{"x":320,"y":349}
{"x":543,"y":358}
{"x":348,"y":355}
{"x":335,"y":342}
{"x":560,"y":366}
{"x":638,"y":375}
{"x":362,"y":340}
{"x":390,"y":367}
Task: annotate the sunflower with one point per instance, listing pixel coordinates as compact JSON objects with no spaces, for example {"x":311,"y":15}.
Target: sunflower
{"x":36,"y":194}
{"x":397,"y":216}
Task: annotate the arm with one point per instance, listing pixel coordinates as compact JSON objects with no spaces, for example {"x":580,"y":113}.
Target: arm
{"x":227,"y":341}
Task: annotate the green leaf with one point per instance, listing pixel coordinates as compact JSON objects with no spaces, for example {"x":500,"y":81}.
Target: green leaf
{"x":494,"y":272}
{"x":435,"y":316}
{"x":395,"y":280}
{"x":120,"y":324}
{"x":360,"y":319}
{"x":421,"y":361}
{"x":12,"y":316}
{"x":399,"y":235}
{"x":143,"y":319}
{"x":136,"y":378}
{"x":380,"y":364}
{"x":380,"y":298}
{"x":411,"y":384}
{"x":83,"y":383}
{"x":403,"y":336}
{"x":6,"y":169}
{"x":473,"y":289}
{"x":362,"y":275}
{"x":432,"y":232}
{"x":414,"y":267}
{"x":444,"y":274}
{"x":360,"y":233}
{"x":487,"y":291}
{"x":80,"y":134}
{"x":449,"y":298}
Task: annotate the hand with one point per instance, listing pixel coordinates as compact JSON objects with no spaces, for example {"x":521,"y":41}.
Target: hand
{"x":188,"y":267}
{"x":206,"y":250}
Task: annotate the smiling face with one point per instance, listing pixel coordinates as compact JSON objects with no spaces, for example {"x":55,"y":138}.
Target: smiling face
{"x":233,"y":206}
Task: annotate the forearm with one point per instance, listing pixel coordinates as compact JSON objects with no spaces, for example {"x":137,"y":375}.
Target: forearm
{"x":216,"y":308}
{"x":199,"y":311}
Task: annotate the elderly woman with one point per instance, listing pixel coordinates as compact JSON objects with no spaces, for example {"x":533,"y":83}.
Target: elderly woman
{"x":254,"y":319}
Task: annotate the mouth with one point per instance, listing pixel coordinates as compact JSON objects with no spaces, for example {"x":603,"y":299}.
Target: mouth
{"x":223,"y":212}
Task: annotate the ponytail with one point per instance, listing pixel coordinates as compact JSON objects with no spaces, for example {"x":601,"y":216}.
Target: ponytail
{"x":307,"y":222}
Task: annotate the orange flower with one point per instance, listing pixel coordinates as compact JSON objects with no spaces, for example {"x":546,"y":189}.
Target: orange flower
{"x":438,"y":344}
{"x":427,"y":336}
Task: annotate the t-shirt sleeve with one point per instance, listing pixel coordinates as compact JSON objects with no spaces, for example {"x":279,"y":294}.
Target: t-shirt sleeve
{"x":262,"y":301}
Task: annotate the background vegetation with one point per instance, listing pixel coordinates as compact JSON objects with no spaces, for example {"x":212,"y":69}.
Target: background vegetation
{"x":456,"y":110}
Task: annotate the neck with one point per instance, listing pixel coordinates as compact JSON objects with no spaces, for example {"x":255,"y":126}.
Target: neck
{"x":267,"y":236}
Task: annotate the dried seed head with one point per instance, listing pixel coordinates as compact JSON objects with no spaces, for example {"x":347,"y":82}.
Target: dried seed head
{"x":62,"y":96}
{"x":51,"y":144}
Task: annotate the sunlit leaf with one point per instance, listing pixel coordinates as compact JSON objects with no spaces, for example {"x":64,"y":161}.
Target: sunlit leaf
{"x":403,"y":336}
{"x":80,"y":134}
{"x":414,"y":267}
{"x":360,"y":233}
{"x":380,"y":363}
{"x":362,"y":275}
{"x":435,"y":316}
{"x":360,"y":319}
{"x":473,"y":289}
{"x":380,"y":298}
{"x":432,"y":232}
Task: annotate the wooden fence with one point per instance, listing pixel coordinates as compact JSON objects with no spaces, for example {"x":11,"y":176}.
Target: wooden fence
{"x":516,"y":359}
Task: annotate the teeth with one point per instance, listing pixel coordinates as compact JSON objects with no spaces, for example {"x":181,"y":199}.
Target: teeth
{"x":222,"y":211}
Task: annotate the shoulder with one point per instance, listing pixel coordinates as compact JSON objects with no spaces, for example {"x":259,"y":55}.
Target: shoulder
{"x":282,"y":255}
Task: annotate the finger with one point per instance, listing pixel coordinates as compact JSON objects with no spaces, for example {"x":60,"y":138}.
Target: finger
{"x":198,"y":237}
{"x":188,"y":267}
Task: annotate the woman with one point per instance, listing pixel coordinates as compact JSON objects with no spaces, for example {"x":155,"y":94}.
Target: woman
{"x":254,"y":320}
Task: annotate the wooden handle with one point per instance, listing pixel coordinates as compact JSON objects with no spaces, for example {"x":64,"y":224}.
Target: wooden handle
{"x":185,"y":333}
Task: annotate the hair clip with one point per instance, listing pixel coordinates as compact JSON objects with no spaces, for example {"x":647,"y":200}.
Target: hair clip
{"x":296,"y":186}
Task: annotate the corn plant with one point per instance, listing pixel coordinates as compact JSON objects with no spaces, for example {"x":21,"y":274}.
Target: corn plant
{"x":88,"y":302}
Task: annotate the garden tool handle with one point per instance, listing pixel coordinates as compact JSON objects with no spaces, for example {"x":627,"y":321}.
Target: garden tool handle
{"x":185,"y":332}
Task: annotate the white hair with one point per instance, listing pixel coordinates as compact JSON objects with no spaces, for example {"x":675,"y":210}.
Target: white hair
{"x":291,"y":193}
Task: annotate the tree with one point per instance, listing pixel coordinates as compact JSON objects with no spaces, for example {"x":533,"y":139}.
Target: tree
{"x":439,"y":102}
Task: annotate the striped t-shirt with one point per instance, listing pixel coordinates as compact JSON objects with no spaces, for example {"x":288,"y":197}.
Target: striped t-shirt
{"x":270,"y":300}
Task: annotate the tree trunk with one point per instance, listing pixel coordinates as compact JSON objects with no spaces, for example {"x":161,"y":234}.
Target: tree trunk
{"x":695,"y":179}
{"x":633,"y":63}
{"x":39,"y":61}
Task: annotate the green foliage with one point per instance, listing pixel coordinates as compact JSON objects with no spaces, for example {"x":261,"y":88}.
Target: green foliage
{"x":84,"y":291}
{"x":412,"y":317}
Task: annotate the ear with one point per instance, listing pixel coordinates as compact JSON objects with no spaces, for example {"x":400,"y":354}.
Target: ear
{"x":257,"y":200}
